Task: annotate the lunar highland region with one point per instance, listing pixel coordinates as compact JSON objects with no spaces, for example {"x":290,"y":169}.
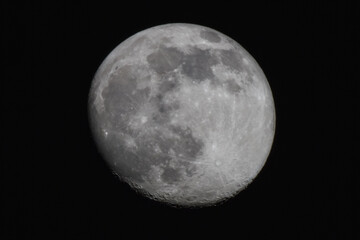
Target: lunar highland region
{"x":183,"y":114}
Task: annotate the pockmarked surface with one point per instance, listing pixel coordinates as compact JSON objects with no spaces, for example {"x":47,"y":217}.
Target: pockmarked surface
{"x":183,"y":114}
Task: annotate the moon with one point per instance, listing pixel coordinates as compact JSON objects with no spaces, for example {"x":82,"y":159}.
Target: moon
{"x":183,"y":114}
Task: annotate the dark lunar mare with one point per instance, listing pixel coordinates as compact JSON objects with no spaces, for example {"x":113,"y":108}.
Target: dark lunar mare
{"x":170,"y":149}
{"x":197,"y":65}
{"x":135,"y":163}
{"x":165,"y":59}
{"x":232,"y":87}
{"x":232,"y":59}
{"x":210,"y":35}
{"x":169,"y":82}
{"x":122,"y":100}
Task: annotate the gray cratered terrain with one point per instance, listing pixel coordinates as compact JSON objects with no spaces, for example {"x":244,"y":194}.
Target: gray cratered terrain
{"x":183,"y":114}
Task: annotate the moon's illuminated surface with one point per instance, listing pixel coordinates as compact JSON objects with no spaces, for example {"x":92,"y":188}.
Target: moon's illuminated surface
{"x":183,"y":114}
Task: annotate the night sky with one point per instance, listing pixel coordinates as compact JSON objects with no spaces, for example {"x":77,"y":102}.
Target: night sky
{"x":54,"y":184}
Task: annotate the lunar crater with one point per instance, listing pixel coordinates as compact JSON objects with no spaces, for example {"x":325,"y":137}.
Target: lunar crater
{"x":210,"y":36}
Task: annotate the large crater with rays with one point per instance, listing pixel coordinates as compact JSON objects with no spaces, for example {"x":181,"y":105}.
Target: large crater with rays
{"x":183,"y":114}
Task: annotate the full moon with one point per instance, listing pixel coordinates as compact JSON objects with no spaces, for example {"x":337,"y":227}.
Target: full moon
{"x":183,"y":114}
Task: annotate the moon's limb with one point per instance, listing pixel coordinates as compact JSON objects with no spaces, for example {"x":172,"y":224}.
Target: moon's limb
{"x":183,"y":113}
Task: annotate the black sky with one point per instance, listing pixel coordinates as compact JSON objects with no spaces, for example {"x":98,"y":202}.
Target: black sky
{"x":55,"y":185}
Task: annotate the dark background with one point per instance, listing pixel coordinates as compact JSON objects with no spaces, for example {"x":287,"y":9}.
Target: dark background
{"x":55,"y":185}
